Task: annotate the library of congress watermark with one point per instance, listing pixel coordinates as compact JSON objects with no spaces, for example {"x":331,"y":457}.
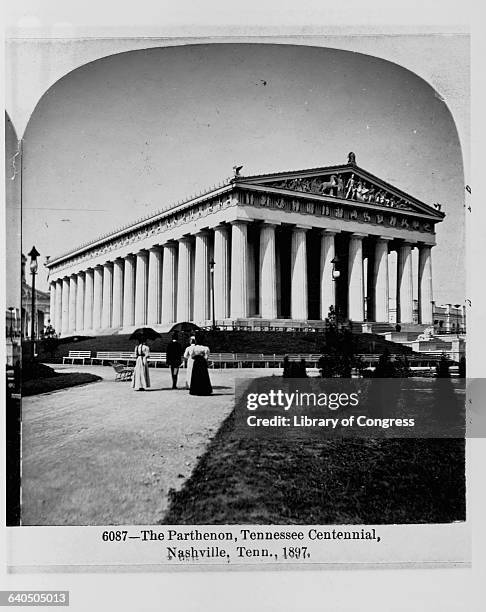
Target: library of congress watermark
{"x":369,"y":408}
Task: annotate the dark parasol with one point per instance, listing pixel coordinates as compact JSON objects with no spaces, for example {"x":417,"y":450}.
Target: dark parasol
{"x":185,"y":326}
{"x":145,"y":333}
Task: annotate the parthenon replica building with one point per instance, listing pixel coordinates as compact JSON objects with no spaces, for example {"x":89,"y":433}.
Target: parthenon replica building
{"x":281,"y":246}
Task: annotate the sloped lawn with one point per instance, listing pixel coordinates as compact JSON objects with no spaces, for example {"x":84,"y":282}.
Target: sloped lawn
{"x":277,"y":481}
{"x":42,"y":379}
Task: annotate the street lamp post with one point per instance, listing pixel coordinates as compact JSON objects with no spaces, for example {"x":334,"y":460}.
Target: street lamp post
{"x":335,"y":275}
{"x":211,"y":270}
{"x":34,"y":254}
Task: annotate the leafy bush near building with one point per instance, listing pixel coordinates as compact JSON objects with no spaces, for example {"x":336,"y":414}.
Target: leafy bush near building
{"x":462,"y":367}
{"x":388,"y":368}
{"x":442,"y":367}
{"x":339,"y":353}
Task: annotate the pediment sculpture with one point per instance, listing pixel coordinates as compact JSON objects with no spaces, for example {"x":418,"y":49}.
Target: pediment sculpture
{"x":345,"y":186}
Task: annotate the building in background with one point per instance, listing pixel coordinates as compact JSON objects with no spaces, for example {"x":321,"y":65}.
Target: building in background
{"x":276,"y":249}
{"x":12,"y":335}
{"x":450,"y":319}
{"x":42,"y":304}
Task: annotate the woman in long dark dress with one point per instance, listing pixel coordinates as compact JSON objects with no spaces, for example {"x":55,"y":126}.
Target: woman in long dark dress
{"x":200,"y":383}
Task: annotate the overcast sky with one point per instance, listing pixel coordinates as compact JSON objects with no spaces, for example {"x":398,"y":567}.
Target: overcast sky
{"x":127,"y":135}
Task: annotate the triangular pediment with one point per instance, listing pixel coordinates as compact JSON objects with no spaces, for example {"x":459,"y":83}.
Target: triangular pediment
{"x":346,"y":182}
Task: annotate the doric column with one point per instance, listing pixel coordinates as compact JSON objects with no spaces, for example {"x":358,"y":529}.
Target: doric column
{"x":80,"y":302}
{"x":129,"y":292}
{"x":239,"y":270}
{"x":52,"y":302}
{"x":107,"y":295}
{"x":355,"y":278}
{"x":221,"y":272}
{"x":184,"y":280}
{"x":141,"y":288}
{"x":58,"y":319}
{"x":380,"y":278}
{"x":88,"y":299}
{"x":65,"y":306}
{"x":328,"y":284}
{"x":404,"y":284}
{"x":278,"y":275}
{"x":97,"y":296}
{"x":201,"y":277}
{"x":298,"y":294}
{"x":268,"y":272}
{"x":425,"y":291}
{"x":72,"y":303}
{"x":117,"y":311}
{"x":169,"y":283}
{"x":251,"y":246}
{"x":154,"y":285}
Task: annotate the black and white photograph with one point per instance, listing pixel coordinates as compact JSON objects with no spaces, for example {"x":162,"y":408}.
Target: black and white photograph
{"x":312,"y":257}
{"x":197,"y":227}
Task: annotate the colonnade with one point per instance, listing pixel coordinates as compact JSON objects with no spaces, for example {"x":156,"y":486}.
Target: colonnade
{"x":172,"y":282}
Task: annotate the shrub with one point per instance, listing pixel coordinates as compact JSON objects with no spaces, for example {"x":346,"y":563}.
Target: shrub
{"x":388,"y":368}
{"x":442,"y":367}
{"x":339,"y":353}
{"x":462,"y":367}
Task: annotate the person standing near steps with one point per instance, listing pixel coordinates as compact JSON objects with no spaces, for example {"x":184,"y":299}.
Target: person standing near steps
{"x":173,"y":358}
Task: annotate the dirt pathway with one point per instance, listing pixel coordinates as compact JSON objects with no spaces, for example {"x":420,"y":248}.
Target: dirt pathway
{"x":104,"y":454}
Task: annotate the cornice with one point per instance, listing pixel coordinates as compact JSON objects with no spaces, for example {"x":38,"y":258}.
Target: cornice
{"x":342,"y":168}
{"x":141,"y":224}
{"x":303,"y":195}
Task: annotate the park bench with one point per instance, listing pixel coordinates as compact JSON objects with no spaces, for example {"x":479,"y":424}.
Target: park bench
{"x":307,"y":357}
{"x":81,"y":355}
{"x":123,"y":372}
{"x":275,"y":360}
{"x":157,"y":358}
{"x":125,"y":356}
{"x":222,"y":358}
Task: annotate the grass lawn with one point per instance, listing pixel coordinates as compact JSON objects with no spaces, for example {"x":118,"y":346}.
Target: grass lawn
{"x":59,"y":381}
{"x":354,"y":481}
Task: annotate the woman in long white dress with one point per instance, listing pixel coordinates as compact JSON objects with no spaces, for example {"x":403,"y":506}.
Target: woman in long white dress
{"x":141,"y":377}
{"x":189,"y":360}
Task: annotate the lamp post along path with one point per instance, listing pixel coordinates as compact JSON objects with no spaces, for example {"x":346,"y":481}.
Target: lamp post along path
{"x":211,"y":270}
{"x":335,"y":275}
{"x":34,"y":254}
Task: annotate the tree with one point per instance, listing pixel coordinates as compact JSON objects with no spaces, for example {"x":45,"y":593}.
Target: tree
{"x":50,"y":341}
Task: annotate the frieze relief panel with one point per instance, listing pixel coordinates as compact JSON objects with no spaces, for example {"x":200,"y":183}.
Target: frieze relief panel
{"x":190,"y":214}
{"x":159,"y":226}
{"x":325,"y":209}
{"x":345,"y":186}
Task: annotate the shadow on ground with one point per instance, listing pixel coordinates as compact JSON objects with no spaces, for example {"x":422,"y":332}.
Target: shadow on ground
{"x":354,"y":481}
